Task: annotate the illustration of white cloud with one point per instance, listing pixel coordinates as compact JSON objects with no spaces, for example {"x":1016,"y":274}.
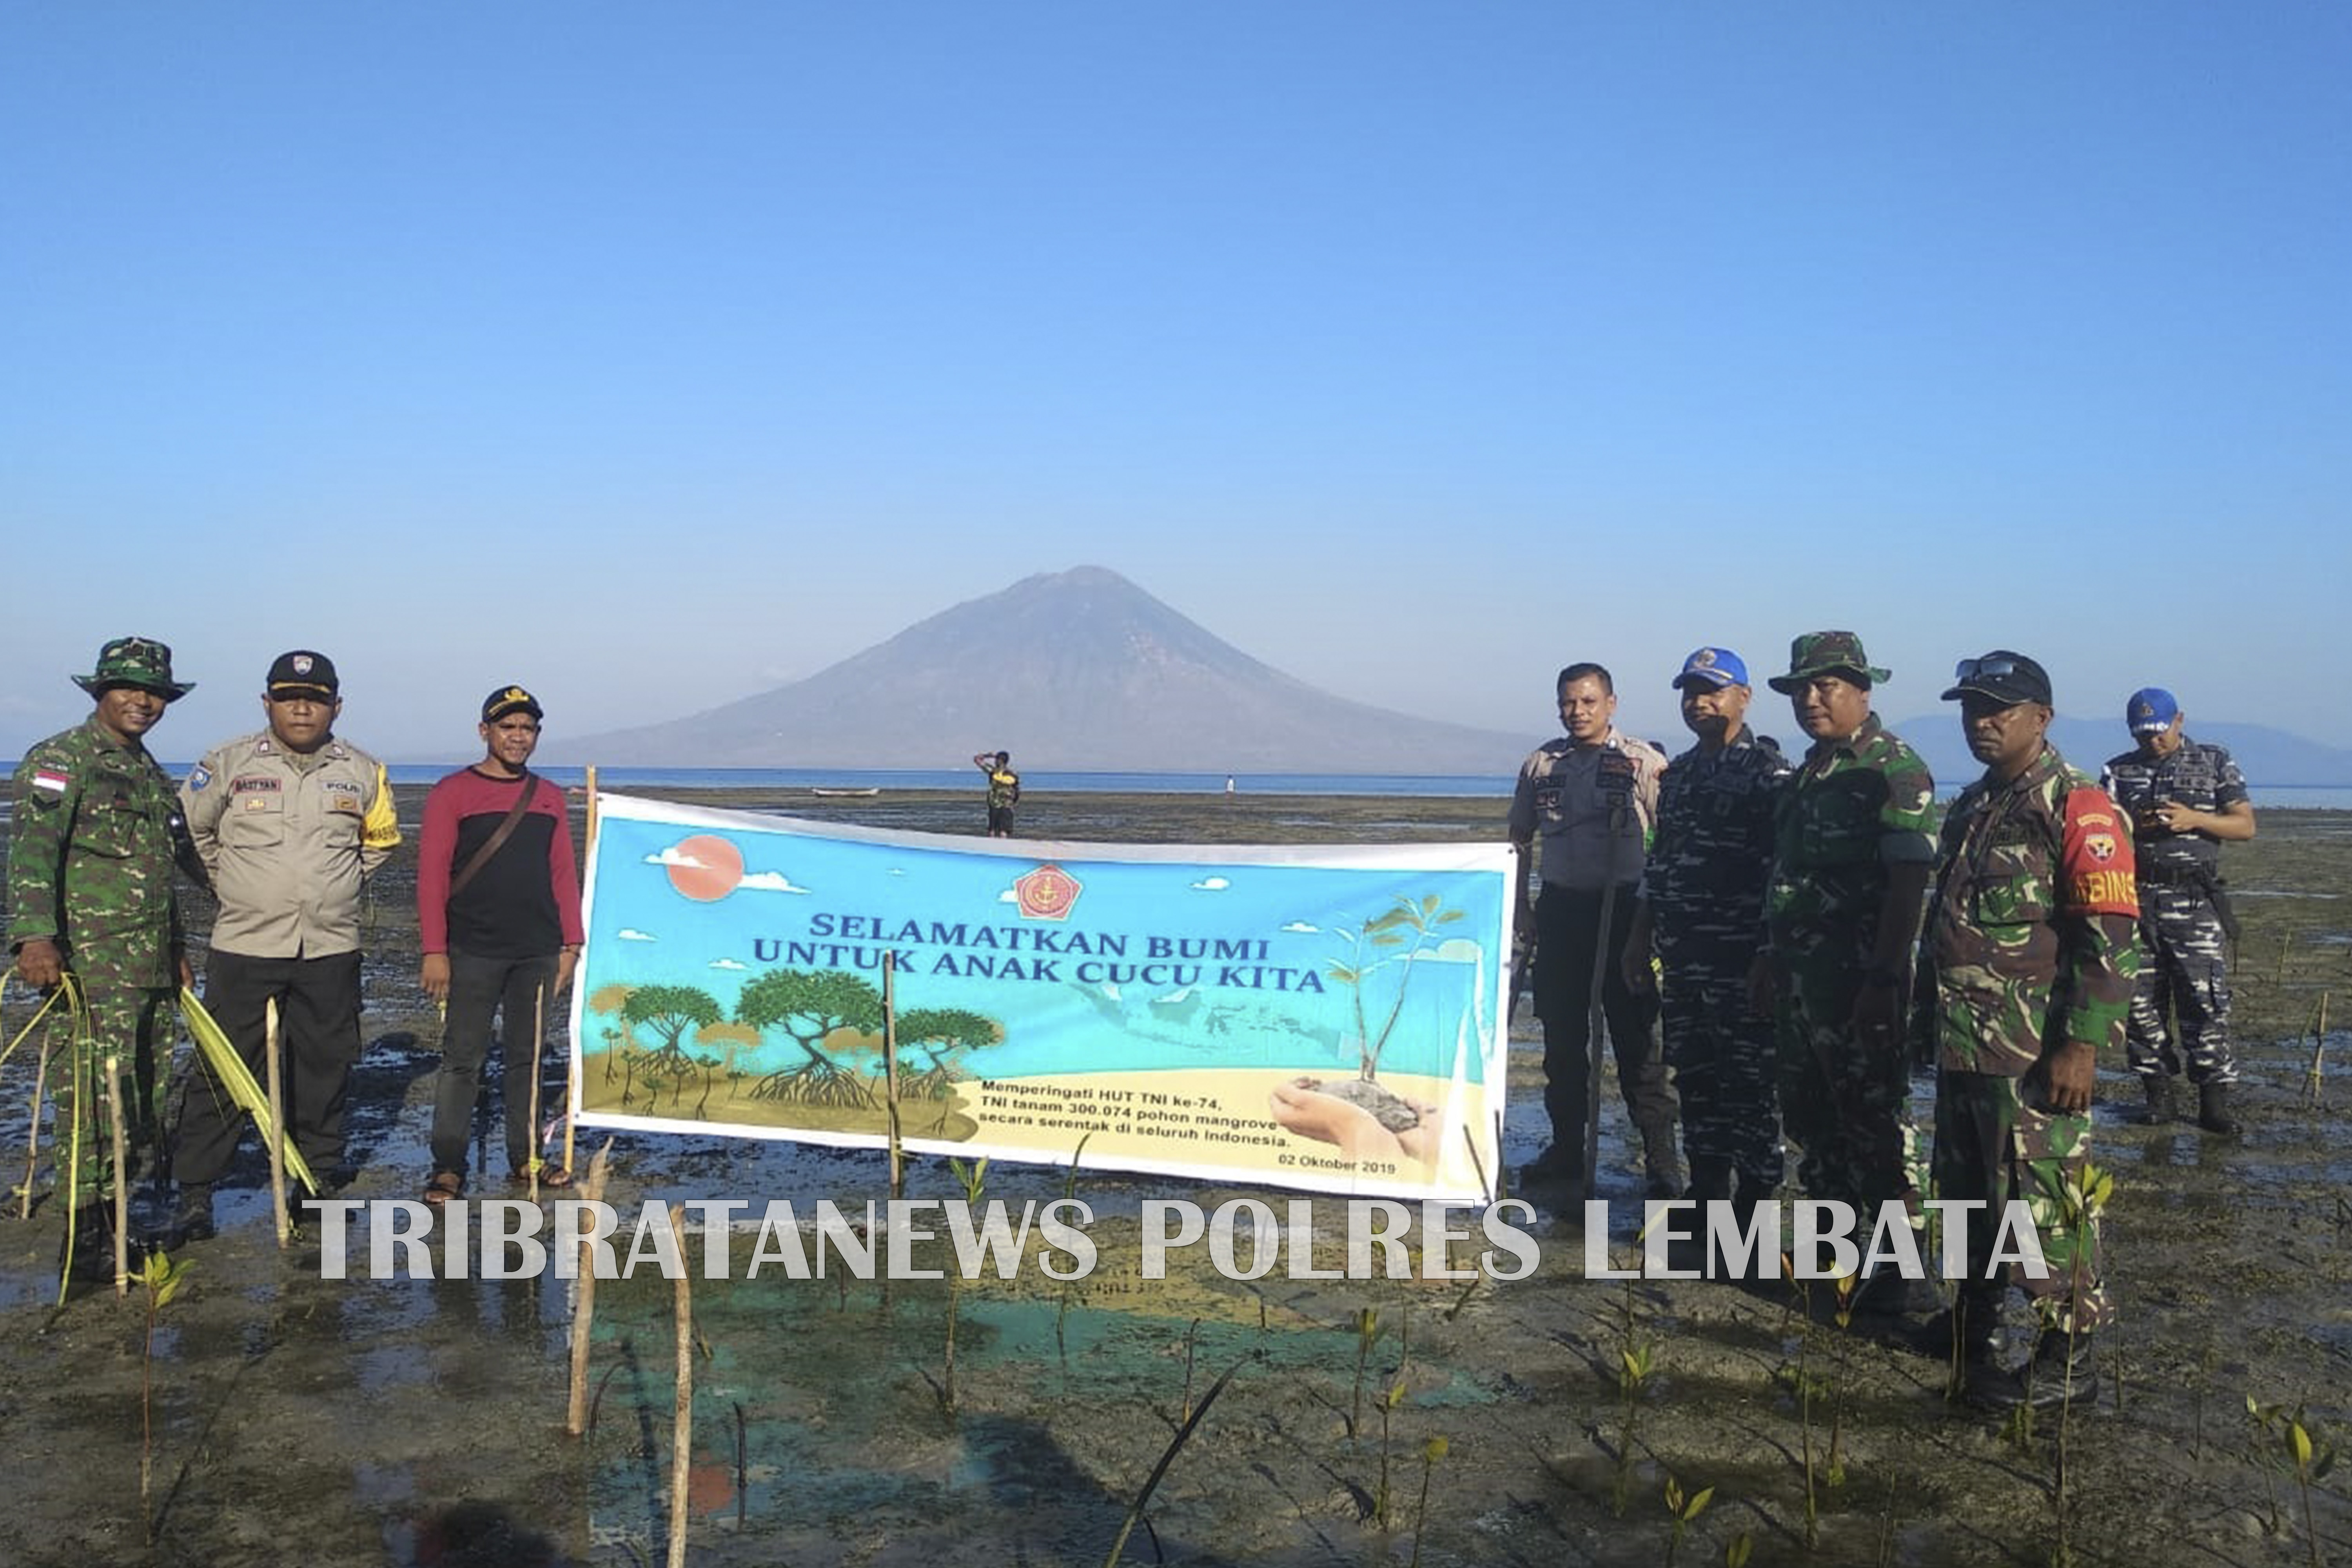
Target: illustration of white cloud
{"x":770,"y":883}
{"x":727,"y":963}
{"x":1008,"y":896}
{"x":1302,"y":928}
{"x":1458,"y":950}
{"x":630,"y":933}
{"x":1211,"y":885}
{"x":668,"y":855}
{"x":1175,"y":996}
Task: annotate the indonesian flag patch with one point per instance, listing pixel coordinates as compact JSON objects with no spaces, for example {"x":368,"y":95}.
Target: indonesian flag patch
{"x":2097,"y":857}
{"x":52,"y":779}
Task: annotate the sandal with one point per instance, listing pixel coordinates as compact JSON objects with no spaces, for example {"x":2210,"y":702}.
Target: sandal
{"x":552,"y":1178}
{"x":445,"y":1186}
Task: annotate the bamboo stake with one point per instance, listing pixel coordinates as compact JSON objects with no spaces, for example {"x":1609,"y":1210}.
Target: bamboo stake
{"x":118,"y":1135}
{"x":583,"y":1301}
{"x":890,"y":1070}
{"x":276,"y":1139}
{"x":570,"y":1080}
{"x":537,"y":1032}
{"x":2313,"y":1082}
{"x":682,"y":1427}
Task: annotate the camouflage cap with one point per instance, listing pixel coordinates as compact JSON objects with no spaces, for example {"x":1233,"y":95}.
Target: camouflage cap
{"x":135,"y":661}
{"x":1826,"y":653}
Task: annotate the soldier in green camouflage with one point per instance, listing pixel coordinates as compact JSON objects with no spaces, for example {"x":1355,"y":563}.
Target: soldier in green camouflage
{"x":2033,"y":934}
{"x":1852,"y":854}
{"x":96,"y":832}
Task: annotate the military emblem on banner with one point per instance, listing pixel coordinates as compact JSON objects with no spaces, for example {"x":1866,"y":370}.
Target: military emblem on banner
{"x":1046,"y":893}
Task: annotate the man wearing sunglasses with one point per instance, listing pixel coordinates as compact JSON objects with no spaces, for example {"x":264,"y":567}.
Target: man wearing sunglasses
{"x":2033,"y":932}
{"x":2185,"y":800}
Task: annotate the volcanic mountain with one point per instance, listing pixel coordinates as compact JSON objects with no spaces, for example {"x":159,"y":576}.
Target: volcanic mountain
{"x":1077,"y":671}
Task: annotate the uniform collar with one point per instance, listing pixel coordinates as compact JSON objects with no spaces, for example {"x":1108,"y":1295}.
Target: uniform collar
{"x":1852,"y":744}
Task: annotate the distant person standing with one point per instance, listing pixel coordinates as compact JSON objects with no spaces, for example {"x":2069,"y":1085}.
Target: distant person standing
{"x":1702,"y":907}
{"x":1004,"y":790}
{"x":498,"y":917}
{"x":94,"y":837}
{"x":1592,"y":794}
{"x":2185,"y":799}
{"x":289,"y":821}
{"x":1853,"y":849}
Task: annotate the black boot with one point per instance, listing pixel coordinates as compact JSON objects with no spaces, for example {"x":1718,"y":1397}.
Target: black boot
{"x":193,"y":1220}
{"x":2213,"y":1109}
{"x":1661,"y":1167}
{"x":1710,"y":1179}
{"x":2159,"y":1089}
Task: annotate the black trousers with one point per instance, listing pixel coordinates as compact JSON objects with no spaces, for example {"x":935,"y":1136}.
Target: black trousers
{"x":1568,"y":926}
{"x":519,"y":993}
{"x":318,"y":1038}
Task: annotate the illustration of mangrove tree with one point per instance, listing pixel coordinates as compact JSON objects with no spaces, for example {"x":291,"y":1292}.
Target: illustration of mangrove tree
{"x":1410,"y":926}
{"x":806,"y":1006}
{"x":941,"y":1032}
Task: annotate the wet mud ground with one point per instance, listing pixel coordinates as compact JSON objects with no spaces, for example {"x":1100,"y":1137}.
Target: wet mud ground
{"x":302,"y":1420}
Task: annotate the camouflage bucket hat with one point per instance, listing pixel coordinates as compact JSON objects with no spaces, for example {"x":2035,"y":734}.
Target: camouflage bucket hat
{"x":135,"y":661}
{"x":1826,"y":653}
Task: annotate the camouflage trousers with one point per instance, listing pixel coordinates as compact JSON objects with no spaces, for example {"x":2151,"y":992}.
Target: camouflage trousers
{"x":1725,"y":1065}
{"x":1994,"y":1143}
{"x":131,"y":1026}
{"x":1843,"y":1103}
{"x":2184,"y":966}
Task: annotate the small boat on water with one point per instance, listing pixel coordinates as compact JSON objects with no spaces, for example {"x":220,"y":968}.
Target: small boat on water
{"x":871,"y":789}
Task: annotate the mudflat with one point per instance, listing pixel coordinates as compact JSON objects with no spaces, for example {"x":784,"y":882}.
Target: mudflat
{"x":291,"y":1419}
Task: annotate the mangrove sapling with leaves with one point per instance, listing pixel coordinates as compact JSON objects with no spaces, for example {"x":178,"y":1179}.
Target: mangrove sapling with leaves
{"x":1430,"y":1452}
{"x":1636,"y":1359}
{"x":159,"y":1278}
{"x":2081,"y":1202}
{"x":1368,"y":1328}
{"x":1388,"y":1402}
{"x":973,"y":1179}
{"x":1683,"y":1511}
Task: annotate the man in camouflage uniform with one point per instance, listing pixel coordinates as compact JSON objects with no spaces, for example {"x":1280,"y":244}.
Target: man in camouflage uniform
{"x":288,"y":822}
{"x":1702,"y":907}
{"x":1592,"y":794}
{"x":94,"y":838}
{"x":2185,"y":799}
{"x":2033,"y":934}
{"x":1851,"y":859}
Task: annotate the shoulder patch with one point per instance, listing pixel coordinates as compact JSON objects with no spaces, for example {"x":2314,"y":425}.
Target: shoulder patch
{"x":52,"y":778}
{"x":202,"y":777}
{"x":2096,"y":858}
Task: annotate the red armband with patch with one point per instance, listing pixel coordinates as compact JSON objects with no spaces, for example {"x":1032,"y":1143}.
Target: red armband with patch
{"x":2095,"y":861}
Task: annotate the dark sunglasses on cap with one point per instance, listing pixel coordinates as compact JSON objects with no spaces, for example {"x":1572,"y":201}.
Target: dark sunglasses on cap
{"x":1992,"y":669}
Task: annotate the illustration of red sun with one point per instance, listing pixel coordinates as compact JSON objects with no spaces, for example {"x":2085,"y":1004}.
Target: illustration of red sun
{"x":714,"y":867}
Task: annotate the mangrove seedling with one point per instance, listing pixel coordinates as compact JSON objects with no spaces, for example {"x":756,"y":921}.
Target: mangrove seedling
{"x":973,"y":1179}
{"x":159,"y":1278}
{"x":1430,"y":1452}
{"x":1683,"y":1510}
{"x":1175,"y":1445}
{"x":1368,"y":1328}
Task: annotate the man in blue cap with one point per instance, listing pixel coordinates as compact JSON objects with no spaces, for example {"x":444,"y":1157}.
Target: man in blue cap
{"x":2186,"y":800}
{"x":1702,"y":909}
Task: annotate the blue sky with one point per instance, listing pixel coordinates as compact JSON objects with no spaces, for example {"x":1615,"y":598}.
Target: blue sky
{"x":658,"y":355}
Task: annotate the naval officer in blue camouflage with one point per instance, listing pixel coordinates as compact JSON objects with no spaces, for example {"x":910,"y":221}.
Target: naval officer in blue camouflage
{"x":1701,"y":910}
{"x":2186,"y":799}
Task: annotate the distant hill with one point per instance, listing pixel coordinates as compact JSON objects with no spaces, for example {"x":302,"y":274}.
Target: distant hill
{"x":2269,"y":758}
{"x":1077,"y":671}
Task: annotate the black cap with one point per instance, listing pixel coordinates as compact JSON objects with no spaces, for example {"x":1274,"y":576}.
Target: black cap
{"x":2005,"y":676}
{"x":302,"y":673}
{"x":508,"y":699}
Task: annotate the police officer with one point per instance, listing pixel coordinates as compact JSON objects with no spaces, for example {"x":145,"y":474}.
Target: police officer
{"x":1702,"y":907}
{"x":94,"y":837}
{"x":1592,"y":794}
{"x":2185,"y":799}
{"x":2033,"y":936}
{"x":288,"y":821}
{"x":1850,"y":857}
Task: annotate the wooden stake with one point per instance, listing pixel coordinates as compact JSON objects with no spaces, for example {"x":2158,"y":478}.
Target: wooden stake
{"x":571,"y":1079}
{"x":890,"y":1070}
{"x":583,"y":1300}
{"x":538,"y":1030}
{"x":276,"y":1139}
{"x":681,"y":1458}
{"x":2313,"y":1082}
{"x":120,"y":1137}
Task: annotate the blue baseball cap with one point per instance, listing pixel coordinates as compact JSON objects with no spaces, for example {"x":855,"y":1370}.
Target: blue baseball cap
{"x":2150,"y":710}
{"x":1714,"y":667}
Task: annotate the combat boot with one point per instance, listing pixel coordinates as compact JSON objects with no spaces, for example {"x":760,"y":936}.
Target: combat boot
{"x":2159,"y":1089}
{"x":2213,"y":1109}
{"x":1660,"y":1165}
{"x":2062,"y":1370}
{"x":193,"y":1220}
{"x":1710,"y":1179}
{"x":1559,"y":1165}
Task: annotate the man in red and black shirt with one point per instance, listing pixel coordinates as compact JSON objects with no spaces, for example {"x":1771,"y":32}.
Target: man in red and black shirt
{"x":497,"y":914}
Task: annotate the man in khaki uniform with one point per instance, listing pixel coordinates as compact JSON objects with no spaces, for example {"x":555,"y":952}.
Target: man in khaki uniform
{"x":287,"y":821}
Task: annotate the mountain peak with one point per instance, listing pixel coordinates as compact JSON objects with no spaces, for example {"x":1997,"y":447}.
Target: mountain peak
{"x":1076,"y":671}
